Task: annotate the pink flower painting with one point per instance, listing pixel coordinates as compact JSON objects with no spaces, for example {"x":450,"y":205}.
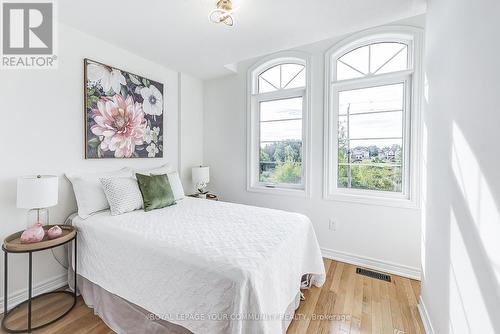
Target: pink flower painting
{"x":120,"y":123}
{"x":124,"y":114}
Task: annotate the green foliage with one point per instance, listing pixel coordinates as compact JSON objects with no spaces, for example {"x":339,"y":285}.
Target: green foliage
{"x":342,"y":180}
{"x":264,"y":156}
{"x":342,"y":155}
{"x":288,"y":172}
{"x":371,"y":177}
{"x":281,"y":162}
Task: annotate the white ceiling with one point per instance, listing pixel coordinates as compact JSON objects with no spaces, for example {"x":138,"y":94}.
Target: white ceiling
{"x":177,"y":34}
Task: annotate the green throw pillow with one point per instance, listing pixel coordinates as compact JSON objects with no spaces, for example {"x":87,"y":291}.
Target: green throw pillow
{"x":156,"y":191}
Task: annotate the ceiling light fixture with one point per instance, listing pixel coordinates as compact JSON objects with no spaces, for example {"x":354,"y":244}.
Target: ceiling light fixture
{"x":223,"y":13}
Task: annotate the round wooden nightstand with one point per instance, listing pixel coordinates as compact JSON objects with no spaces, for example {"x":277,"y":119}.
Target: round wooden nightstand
{"x":12,"y":244}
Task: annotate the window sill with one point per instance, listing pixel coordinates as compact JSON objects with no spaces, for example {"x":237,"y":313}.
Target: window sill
{"x":375,"y":200}
{"x":297,"y":192}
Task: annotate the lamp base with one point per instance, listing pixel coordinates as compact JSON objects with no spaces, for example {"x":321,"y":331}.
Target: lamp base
{"x":37,"y":216}
{"x":201,"y":187}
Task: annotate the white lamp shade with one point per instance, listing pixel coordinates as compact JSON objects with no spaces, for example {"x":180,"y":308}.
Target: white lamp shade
{"x":200,"y":174}
{"x":36,"y":192}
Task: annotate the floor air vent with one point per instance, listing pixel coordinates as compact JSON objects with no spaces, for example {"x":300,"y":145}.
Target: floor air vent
{"x":373,"y":274}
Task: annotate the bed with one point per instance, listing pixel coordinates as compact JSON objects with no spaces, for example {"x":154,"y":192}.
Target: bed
{"x":199,"y":266}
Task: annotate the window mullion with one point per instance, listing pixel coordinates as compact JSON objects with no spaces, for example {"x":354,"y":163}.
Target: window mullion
{"x":296,"y":75}
{"x":281,"y":94}
{"x":351,"y":67}
{"x":373,"y":112}
{"x":370,"y":59}
{"x":282,"y":120}
{"x":269,"y":82}
{"x":374,"y":80}
{"x":349,"y":170}
{"x":387,"y":62}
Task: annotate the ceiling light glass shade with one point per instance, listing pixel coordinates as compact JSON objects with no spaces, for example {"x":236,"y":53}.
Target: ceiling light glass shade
{"x":221,"y":16}
{"x":223,"y":13}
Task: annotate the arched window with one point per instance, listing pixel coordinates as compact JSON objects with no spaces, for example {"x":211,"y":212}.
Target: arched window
{"x":277,"y":124}
{"x":371,"y":112}
{"x":282,"y":76}
{"x":372,"y":59}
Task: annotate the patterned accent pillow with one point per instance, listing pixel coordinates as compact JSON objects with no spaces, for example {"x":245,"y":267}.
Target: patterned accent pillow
{"x":89,"y":194}
{"x":123,"y":194}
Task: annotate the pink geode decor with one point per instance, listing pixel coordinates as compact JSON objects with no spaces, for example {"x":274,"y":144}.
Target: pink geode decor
{"x":33,"y":234}
{"x":54,"y":232}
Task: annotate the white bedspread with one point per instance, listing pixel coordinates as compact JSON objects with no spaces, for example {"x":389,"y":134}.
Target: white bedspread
{"x":202,"y":264}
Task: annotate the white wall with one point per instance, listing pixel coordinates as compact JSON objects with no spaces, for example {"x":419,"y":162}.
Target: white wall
{"x":388,"y":237}
{"x":191,"y":125}
{"x":461,"y":252}
{"x":42,"y":133}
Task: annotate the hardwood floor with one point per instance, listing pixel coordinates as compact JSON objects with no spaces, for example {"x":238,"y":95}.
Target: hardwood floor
{"x":348,"y":303}
{"x":79,"y":321}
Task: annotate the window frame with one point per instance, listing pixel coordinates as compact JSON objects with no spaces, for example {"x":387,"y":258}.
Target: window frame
{"x":254,"y":98}
{"x":411,"y":78}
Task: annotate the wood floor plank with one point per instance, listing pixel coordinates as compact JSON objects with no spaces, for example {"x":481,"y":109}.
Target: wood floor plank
{"x":305,"y":311}
{"x":357,"y":306}
{"x":343,"y":313}
{"x":337,"y":287}
{"x":416,"y":288}
{"x":413,"y":304}
{"x":366,"y":316}
{"x":406,"y":316}
{"x":326,"y":300}
{"x":387,"y":324}
{"x":376,"y":308}
{"x":396,"y":315}
{"x":348,"y":303}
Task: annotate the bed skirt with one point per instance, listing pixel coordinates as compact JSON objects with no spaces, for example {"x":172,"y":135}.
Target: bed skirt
{"x":125,"y":317}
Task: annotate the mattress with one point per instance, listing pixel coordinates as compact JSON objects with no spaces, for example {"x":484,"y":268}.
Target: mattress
{"x":211,"y":267}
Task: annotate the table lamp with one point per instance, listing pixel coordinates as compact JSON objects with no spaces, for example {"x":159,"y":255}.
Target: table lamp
{"x":201,"y":177}
{"x":37,"y":193}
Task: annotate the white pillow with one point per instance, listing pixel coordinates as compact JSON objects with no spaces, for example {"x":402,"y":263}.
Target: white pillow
{"x":89,"y":194}
{"x":176,"y":185}
{"x":123,"y":194}
{"x":162,"y":170}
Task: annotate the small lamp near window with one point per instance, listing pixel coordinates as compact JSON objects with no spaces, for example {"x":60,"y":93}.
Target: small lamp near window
{"x":201,"y":177}
{"x":37,"y":193}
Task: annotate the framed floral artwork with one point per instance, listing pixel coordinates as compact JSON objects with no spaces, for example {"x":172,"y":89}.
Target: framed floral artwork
{"x":123,"y":114}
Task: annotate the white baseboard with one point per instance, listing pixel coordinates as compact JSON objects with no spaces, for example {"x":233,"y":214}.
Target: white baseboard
{"x":424,"y":315}
{"x":48,"y":285}
{"x":388,"y":267}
